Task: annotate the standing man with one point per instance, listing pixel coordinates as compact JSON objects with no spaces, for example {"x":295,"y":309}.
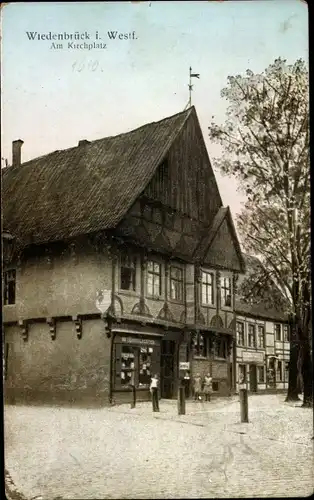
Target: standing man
{"x":154,"y":392}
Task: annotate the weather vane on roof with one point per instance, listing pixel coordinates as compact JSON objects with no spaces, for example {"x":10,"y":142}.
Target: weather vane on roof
{"x":192,"y":75}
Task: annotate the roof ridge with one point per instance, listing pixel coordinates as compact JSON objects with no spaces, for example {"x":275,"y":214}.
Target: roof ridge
{"x":185,"y":112}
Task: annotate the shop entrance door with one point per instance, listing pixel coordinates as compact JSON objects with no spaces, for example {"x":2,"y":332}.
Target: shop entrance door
{"x":253,"y":378}
{"x":167,"y":369}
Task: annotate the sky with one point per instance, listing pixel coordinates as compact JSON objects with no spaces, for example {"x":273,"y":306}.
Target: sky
{"x":53,"y":97}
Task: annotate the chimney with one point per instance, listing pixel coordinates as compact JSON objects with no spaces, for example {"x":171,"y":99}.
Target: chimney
{"x":83,"y":142}
{"x":16,"y":152}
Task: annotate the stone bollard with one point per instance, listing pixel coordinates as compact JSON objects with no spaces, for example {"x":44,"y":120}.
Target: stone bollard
{"x":181,"y":399}
{"x":244,"y":405}
{"x":133,"y":398}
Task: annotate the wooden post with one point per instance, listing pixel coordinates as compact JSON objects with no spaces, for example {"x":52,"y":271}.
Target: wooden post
{"x":244,"y":405}
{"x":181,"y":399}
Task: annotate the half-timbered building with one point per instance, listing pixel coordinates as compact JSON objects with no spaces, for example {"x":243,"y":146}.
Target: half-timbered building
{"x":122,"y":265}
{"x":262,"y":341}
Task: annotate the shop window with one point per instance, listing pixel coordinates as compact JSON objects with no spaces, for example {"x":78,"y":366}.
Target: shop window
{"x":9,"y":287}
{"x":261,"y":336}
{"x":286,"y":335}
{"x":242,"y":374}
{"x":153,"y":279}
{"x":287,"y":371}
{"x":260,"y":374}
{"x":200,"y":345}
{"x":207,"y":288}
{"x":176,"y":283}
{"x":220,"y":349}
{"x":127,"y":366}
{"x":251,"y":336}
{"x":278,"y":331}
{"x":225,"y":291}
{"x":127,"y":272}
{"x":279,"y":371}
{"x":240,"y":333}
{"x":145,"y":363}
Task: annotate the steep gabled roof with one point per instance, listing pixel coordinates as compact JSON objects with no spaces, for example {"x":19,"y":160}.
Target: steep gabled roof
{"x":85,"y":188}
{"x":209,"y":236}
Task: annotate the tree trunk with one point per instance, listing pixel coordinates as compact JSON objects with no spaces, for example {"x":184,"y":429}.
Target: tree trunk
{"x":293,"y":386}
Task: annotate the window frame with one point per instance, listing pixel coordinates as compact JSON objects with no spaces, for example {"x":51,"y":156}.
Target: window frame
{"x":276,"y":325}
{"x":221,"y":347}
{"x":286,"y":333}
{"x":223,"y":289}
{"x":279,"y":371}
{"x":259,"y":336}
{"x":128,"y":258}
{"x":6,"y":287}
{"x":153,"y":275}
{"x":249,"y":335}
{"x":179,"y":281}
{"x":243,"y":332}
{"x":261,"y":369}
{"x":206,"y":346}
{"x":208,"y":286}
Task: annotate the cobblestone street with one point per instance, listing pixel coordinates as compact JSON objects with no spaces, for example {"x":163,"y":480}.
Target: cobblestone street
{"x":122,"y":453}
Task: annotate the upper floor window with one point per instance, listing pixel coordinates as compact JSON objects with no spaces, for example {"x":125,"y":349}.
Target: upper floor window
{"x":286,"y":336}
{"x":9,"y":286}
{"x":225,"y":291}
{"x":261,"y":336}
{"x":207,"y":288}
{"x":277,"y":331}
{"x":176,"y":283}
{"x":153,"y":278}
{"x":251,"y":336}
{"x":128,"y":272}
{"x":240,"y":333}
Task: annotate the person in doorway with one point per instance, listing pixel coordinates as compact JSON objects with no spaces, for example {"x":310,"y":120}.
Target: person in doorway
{"x":208,"y":387}
{"x":197,"y":382}
{"x":154,"y":392}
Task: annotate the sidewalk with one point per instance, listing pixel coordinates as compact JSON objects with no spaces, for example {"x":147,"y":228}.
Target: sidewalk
{"x":120,"y":452}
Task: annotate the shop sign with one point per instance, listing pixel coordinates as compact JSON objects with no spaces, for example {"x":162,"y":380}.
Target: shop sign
{"x":184,"y":365}
{"x":254,"y":357}
{"x":133,"y":340}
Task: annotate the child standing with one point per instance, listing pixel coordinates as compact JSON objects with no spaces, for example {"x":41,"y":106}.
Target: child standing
{"x":154,"y":392}
{"x":208,"y":387}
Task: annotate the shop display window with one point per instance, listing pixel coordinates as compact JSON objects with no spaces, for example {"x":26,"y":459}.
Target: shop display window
{"x":145,"y":363}
{"x":127,"y":365}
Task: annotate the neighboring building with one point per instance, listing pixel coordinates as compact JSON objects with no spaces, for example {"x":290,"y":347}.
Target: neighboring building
{"x":263,"y":343}
{"x":125,"y":267}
